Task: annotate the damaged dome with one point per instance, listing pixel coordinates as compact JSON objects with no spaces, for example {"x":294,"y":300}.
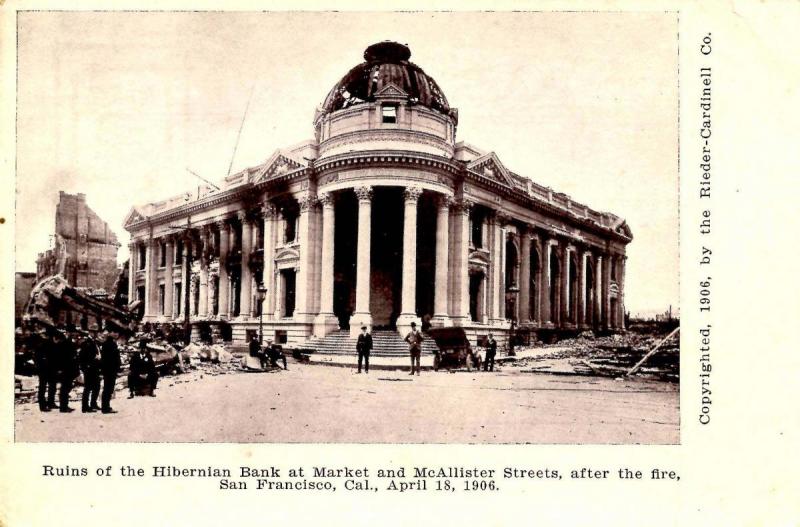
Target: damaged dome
{"x":386,"y":63}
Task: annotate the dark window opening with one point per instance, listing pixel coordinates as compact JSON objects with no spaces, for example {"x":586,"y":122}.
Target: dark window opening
{"x":179,"y":299}
{"x":290,"y":230}
{"x":161,"y":298}
{"x":289,"y":286}
{"x":163,"y":251}
{"x":389,"y":114}
{"x":179,"y":252}
{"x":142,"y":257}
{"x":477,"y":230}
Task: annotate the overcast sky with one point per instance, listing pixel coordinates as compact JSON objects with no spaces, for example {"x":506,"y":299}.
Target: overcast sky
{"x":118,"y":105}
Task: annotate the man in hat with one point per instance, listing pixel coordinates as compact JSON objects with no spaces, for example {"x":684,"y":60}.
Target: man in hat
{"x":67,"y":367}
{"x":43,"y":357}
{"x":275,"y":353}
{"x":363,"y":347}
{"x":414,"y":340}
{"x":110,"y":363}
{"x":255,"y":351}
{"x":491,"y":351}
{"x":89,"y":359}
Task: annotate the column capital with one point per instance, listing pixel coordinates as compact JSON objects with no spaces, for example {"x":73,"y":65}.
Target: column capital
{"x":502,"y":218}
{"x":326,"y":199}
{"x":445,"y":201}
{"x":464,"y":206}
{"x":241,"y":216}
{"x":412,"y":193}
{"x":223,"y":224}
{"x":269,"y":210}
{"x":307,"y":202}
{"x":364,"y":193}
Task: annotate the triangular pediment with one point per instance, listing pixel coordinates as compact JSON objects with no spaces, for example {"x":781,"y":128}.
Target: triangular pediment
{"x":390,"y":91}
{"x":278,"y":164}
{"x":490,"y":167}
{"x":134,"y":216}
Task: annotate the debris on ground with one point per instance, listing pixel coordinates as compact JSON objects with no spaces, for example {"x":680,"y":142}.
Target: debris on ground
{"x":607,"y":356}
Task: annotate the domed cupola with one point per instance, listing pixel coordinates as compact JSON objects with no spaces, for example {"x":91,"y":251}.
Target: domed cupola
{"x":386,"y":63}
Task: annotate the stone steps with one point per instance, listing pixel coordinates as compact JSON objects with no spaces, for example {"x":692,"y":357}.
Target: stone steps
{"x":385,"y":343}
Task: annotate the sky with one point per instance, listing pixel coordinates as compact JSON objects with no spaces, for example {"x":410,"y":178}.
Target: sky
{"x":119,"y":105}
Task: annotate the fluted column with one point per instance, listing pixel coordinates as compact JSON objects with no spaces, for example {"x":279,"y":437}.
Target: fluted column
{"x":133,"y":249}
{"x":149,"y":309}
{"x":305,"y":272}
{"x":547,"y":282}
{"x":246,"y":287}
{"x":408,"y":299}
{"x":326,"y":321}
{"x":524,"y":308}
{"x":440,"y":289}
{"x":621,"y":291}
{"x":202,"y":308}
{"x":564,"y":291}
{"x":269,"y":213}
{"x":223,"y":292}
{"x":498,"y":296}
{"x":168,"y":285}
{"x":608,"y":318}
{"x":598,"y":294}
{"x":362,"y":315}
{"x":581,"y":313}
{"x":461,"y":231}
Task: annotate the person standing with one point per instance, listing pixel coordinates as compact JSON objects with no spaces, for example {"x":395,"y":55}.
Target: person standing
{"x":363,"y":347}
{"x":491,"y":351}
{"x":67,"y":366}
{"x":43,"y":357}
{"x":89,"y":359}
{"x":414,"y":340}
{"x":109,"y":363}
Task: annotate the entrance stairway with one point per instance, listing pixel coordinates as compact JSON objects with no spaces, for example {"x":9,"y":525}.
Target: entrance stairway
{"x":385,"y":343}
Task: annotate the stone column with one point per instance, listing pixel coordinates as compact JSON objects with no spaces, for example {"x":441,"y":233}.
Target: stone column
{"x":133,"y":249}
{"x":303,"y":286}
{"x":608,"y":318}
{"x":498,"y":294}
{"x":580,"y":315}
{"x":246,"y":286}
{"x":539,"y":282}
{"x":269,"y":213}
{"x":362,"y":315}
{"x":621,"y":294}
{"x":460,"y":265}
{"x":440,"y":289}
{"x":202,"y":308}
{"x":564,"y":288}
{"x":149,"y":308}
{"x":186,"y":275}
{"x":547,"y":310}
{"x":326,"y":321}
{"x":598,"y":293}
{"x":224,"y":282}
{"x":524,"y":307}
{"x":408,"y":310}
{"x":168,"y":282}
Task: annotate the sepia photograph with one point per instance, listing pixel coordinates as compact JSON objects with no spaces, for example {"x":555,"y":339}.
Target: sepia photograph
{"x":347,"y":227}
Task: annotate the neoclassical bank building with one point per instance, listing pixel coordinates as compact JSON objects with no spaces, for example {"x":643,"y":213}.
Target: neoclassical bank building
{"x":382,"y":219}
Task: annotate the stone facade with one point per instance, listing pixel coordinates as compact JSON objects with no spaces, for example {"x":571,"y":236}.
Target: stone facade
{"x":85,"y":248}
{"x":382,"y":219}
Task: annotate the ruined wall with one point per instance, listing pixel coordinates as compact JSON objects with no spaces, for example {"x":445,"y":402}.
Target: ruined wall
{"x":85,"y":246}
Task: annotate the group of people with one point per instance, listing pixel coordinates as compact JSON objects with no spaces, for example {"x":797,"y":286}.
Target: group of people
{"x":414,"y":339}
{"x":270,"y":354}
{"x":59,"y":357}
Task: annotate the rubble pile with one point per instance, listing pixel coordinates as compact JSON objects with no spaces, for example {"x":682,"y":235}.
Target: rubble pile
{"x":610,"y":356}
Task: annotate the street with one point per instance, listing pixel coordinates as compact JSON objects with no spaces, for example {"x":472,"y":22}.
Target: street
{"x":317,"y":404}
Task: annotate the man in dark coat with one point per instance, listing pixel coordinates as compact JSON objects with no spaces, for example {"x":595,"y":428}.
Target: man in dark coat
{"x":255,"y":351}
{"x":109,"y":365}
{"x":363,"y":347}
{"x":491,"y":351}
{"x":89,"y":359}
{"x":414,"y":340}
{"x":67,"y":366}
{"x":275,"y":353}
{"x":43,"y":349}
{"x":143,"y":371}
